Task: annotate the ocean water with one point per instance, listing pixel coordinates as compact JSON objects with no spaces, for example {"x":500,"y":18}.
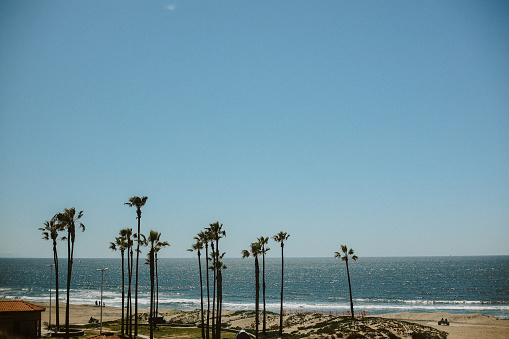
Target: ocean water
{"x":379,"y":285}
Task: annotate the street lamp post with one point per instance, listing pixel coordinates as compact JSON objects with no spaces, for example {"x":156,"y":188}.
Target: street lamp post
{"x":101,"y":305}
{"x":50,"y":274}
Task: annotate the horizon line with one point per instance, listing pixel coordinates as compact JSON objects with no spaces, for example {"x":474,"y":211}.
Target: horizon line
{"x":290,"y":257}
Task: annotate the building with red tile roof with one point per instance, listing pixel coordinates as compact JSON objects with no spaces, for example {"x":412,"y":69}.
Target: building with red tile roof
{"x":18,"y":306}
{"x":20,"y":318}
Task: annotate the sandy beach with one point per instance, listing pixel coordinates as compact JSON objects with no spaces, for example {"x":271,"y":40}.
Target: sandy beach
{"x":462,"y":326}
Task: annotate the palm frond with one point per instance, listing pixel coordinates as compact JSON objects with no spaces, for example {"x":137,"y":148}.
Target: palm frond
{"x":136,"y":201}
{"x":281,"y":237}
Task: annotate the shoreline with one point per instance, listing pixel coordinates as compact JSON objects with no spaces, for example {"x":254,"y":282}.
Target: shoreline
{"x":462,"y":326}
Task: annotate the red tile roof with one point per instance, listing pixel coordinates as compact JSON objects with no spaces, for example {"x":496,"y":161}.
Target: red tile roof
{"x":18,"y":306}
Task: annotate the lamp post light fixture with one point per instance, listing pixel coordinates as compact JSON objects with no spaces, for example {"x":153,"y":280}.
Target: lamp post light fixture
{"x":50,"y":274}
{"x":101,"y":304}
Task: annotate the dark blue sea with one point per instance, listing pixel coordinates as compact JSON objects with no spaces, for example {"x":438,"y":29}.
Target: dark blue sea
{"x":379,"y":285}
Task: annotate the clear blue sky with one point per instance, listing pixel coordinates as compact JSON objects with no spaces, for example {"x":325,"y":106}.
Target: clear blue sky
{"x":383,"y":125}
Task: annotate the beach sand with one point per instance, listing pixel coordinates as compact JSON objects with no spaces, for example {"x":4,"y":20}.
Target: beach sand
{"x":80,"y":314}
{"x":462,"y":326}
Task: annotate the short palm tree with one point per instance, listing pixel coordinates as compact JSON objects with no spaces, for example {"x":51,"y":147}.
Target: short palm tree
{"x":68,"y":220}
{"x":137,"y":202}
{"x":281,"y":237}
{"x":263,"y":242}
{"x":344,"y":254}
{"x":198,"y":246}
{"x":50,"y":231}
{"x":255,"y":251}
{"x":158,"y":247}
{"x":121,"y":245}
{"x":156,"y":262}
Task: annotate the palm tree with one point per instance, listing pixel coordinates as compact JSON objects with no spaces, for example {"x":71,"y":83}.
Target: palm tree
{"x":204,"y":237}
{"x":157,"y":249}
{"x":198,"y":246}
{"x":344,"y":257}
{"x":281,"y":237}
{"x":121,"y":245}
{"x":220,"y":267}
{"x":256,"y":249}
{"x":216,"y":233}
{"x":217,"y":266}
{"x":68,"y":220}
{"x":139,"y":203}
{"x":50,"y":231}
{"x":128,"y":233}
{"x":155,"y":245}
{"x":212,"y":267}
{"x":264,"y":241}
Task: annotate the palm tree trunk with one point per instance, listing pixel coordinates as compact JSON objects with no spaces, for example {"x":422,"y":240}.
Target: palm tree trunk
{"x":69,"y":268}
{"x":350,"y":288}
{"x":157,"y":287}
{"x":213,"y":291}
{"x":263,"y":286}
{"x":136,"y":288}
{"x":129,"y":294}
{"x":257,"y":286}
{"x":216,"y":272}
{"x":123,"y":293}
{"x":151,"y":313}
{"x":219,"y":301}
{"x":208,"y":288}
{"x":201,"y":297}
{"x":128,"y":301}
{"x":282,"y":282}
{"x":55,"y":259}
{"x":214,"y":302}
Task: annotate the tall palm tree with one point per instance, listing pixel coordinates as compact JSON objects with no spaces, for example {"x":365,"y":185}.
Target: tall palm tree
{"x":216,"y":233}
{"x":204,"y":237}
{"x":120,"y":245}
{"x":138,"y":203}
{"x":344,"y":254}
{"x":281,"y":237}
{"x":263,"y":242}
{"x":198,"y":246}
{"x":128,"y":234}
{"x":212,"y":267}
{"x":217,"y":266}
{"x":155,"y":244}
{"x":255,"y":251}
{"x":50,"y":231}
{"x":220,"y":267}
{"x":68,"y":220}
